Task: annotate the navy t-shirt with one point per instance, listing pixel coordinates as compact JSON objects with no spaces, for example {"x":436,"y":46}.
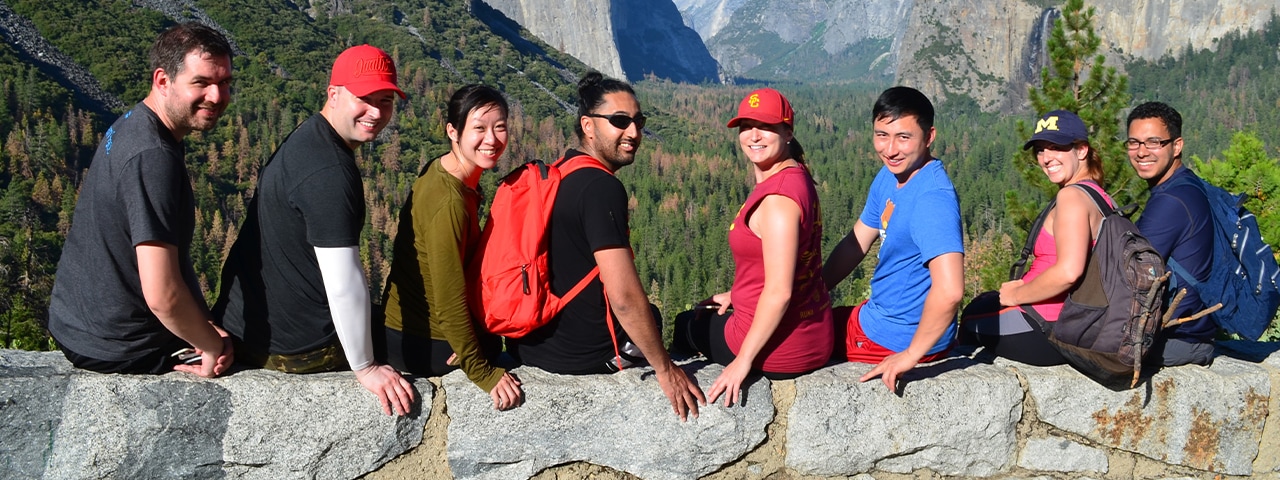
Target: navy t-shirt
{"x":1178,"y":223}
{"x":310,"y":195}
{"x":136,"y":191}
{"x":589,"y":214}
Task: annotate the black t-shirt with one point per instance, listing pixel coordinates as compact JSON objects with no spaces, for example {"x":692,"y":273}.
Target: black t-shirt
{"x":309,"y":195}
{"x":589,"y":214}
{"x":137,"y":190}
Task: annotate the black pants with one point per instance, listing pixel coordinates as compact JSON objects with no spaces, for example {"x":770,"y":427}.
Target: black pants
{"x":158,"y":363}
{"x":406,"y":352}
{"x":702,"y":331}
{"x":1006,"y":332}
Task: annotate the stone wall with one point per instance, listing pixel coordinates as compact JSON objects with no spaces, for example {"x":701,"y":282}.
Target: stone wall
{"x":964,"y":417}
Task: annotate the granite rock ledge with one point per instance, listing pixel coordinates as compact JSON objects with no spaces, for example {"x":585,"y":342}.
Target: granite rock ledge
{"x":964,"y":417}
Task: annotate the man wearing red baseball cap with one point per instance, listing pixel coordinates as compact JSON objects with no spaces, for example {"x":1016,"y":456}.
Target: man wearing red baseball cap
{"x":294,"y":295}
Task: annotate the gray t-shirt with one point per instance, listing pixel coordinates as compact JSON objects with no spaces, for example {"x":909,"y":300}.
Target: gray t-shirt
{"x":136,"y":191}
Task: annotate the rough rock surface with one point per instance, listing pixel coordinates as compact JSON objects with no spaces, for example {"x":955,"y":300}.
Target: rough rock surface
{"x":956,"y":417}
{"x":622,"y":39}
{"x":1057,"y":454}
{"x":1204,"y":418}
{"x":622,"y":421}
{"x":59,"y":422}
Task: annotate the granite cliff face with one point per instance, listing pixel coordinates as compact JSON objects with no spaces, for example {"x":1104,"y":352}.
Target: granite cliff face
{"x":620,"y":38}
{"x":988,"y":49}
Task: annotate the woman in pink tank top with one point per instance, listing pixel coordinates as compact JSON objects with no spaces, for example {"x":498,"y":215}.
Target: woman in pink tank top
{"x":781,"y":324}
{"x":1027,"y":307}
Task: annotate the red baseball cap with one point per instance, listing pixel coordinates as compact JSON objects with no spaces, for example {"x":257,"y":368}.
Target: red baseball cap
{"x":363,"y":70}
{"x":764,"y":105}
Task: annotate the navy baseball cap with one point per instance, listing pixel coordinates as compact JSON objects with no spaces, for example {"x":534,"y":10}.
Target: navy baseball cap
{"x":1059,"y":127}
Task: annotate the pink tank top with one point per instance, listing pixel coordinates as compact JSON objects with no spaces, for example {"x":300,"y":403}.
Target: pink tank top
{"x":1046,"y":252}
{"x":806,"y":335}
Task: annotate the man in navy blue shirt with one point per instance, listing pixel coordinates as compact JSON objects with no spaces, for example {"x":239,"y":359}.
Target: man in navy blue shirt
{"x":1178,"y":223}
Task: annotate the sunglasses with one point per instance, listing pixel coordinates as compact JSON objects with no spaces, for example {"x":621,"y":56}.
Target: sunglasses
{"x":621,"y":120}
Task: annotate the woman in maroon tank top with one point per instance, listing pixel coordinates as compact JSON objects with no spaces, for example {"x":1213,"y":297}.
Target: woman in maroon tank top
{"x":781,"y":322}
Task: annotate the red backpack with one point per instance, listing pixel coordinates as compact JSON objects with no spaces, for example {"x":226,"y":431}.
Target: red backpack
{"x":508,"y":278}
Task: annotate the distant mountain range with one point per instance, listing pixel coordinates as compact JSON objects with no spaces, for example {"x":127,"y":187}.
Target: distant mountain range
{"x":989,"y":50}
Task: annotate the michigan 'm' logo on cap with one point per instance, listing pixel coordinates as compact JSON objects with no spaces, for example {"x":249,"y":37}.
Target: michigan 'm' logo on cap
{"x":1047,"y":123}
{"x":754,"y":100}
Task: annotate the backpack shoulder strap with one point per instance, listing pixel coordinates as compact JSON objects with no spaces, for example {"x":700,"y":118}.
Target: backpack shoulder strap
{"x":1019,"y":267}
{"x":1100,"y":202}
{"x":577,"y":162}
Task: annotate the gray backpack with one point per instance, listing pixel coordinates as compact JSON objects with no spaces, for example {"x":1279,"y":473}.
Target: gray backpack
{"x":1112,"y":315}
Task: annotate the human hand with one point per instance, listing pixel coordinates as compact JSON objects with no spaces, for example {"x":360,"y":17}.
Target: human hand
{"x":507,"y":393}
{"x":393,"y":391}
{"x":891,"y":367}
{"x":723,"y":299}
{"x":684,"y":394}
{"x":1007,"y":293}
{"x":212,"y":362}
{"x":730,"y":382}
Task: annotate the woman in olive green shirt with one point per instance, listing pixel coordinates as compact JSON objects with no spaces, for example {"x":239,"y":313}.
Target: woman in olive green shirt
{"x":428,"y":326}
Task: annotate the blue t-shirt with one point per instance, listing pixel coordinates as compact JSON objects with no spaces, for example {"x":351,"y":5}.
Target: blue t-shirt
{"x":1179,"y":225}
{"x":917,"y":223}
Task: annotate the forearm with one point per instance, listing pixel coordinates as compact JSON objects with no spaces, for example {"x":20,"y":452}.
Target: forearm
{"x":1052,"y":282}
{"x":633,"y":314}
{"x":348,"y":296}
{"x":172,"y":300}
{"x":187,"y":319}
{"x":842,"y":260}
{"x":452,"y":319}
{"x":939,"y":311}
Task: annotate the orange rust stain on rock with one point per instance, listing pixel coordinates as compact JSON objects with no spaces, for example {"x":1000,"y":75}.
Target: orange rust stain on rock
{"x":1256,"y":408}
{"x":1127,"y":422}
{"x":1202,"y":441}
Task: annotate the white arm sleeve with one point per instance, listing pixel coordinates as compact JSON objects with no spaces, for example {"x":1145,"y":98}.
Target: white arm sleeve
{"x":348,"y":294}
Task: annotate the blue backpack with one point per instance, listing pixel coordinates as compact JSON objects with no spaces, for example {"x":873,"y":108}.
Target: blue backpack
{"x":1243,"y":276}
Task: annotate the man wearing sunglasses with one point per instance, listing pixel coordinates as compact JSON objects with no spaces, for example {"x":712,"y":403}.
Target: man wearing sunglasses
{"x":1177,"y":222}
{"x":589,"y":228}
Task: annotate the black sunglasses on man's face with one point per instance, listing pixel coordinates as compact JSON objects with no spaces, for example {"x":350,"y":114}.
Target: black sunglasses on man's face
{"x":621,"y":120}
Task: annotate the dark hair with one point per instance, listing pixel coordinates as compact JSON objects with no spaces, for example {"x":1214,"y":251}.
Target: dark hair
{"x":796,"y":150}
{"x":591,"y":91}
{"x":470,"y":97}
{"x":898,"y":102}
{"x":172,"y":46}
{"x":1172,"y":120}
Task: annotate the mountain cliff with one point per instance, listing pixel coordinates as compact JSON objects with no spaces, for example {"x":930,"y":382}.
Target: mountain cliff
{"x":987,"y":49}
{"x":621,"y":38}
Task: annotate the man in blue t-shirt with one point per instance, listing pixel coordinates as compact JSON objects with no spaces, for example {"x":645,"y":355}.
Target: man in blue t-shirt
{"x":1177,"y":222}
{"x":918,"y":282}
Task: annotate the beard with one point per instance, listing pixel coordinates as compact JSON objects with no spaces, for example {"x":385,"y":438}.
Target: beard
{"x":188,"y":116}
{"x":612,"y":153}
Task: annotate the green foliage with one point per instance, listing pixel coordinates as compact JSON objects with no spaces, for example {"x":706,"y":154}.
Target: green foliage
{"x":1246,"y":168}
{"x":1078,"y":80}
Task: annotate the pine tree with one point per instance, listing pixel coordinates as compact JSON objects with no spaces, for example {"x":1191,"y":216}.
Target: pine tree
{"x":1078,"y":80}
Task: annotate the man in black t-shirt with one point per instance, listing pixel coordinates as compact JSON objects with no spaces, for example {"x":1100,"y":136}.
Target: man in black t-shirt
{"x":126,"y":297}
{"x":294,"y":295}
{"x":588,"y":228}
